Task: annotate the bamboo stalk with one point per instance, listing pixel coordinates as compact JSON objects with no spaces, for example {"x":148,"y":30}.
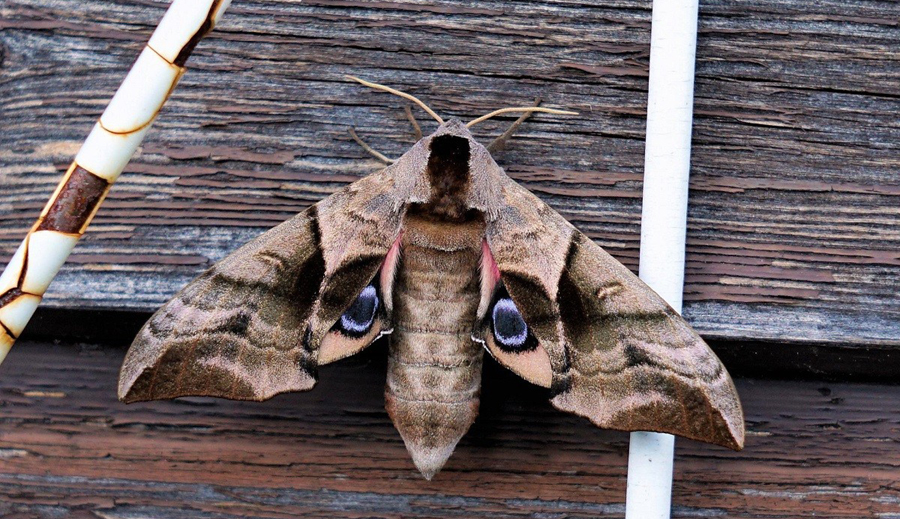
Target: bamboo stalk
{"x":670,"y":100}
{"x":101,"y":159}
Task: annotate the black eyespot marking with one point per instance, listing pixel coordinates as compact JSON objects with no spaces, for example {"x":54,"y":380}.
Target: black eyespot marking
{"x":357,"y":320}
{"x":511,"y":334}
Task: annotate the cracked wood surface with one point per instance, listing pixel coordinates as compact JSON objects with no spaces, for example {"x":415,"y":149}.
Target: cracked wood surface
{"x":68,"y":448}
{"x":793,"y":223}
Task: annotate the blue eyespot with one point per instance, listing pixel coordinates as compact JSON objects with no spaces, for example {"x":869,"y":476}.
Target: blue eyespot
{"x":357,"y":320}
{"x":510,"y":329}
{"x":511,"y":334}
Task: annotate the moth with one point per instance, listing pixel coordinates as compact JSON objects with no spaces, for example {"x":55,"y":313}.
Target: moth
{"x":451,"y":258}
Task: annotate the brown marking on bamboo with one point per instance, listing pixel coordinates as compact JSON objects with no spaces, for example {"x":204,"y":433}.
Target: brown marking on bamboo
{"x":53,"y":197}
{"x":159,"y":54}
{"x":127,"y":132}
{"x":8,"y":331}
{"x":6,"y":299}
{"x":204,"y":29}
{"x":180,"y":72}
{"x":10,"y":295}
{"x":75,"y":203}
{"x":21,"y":280}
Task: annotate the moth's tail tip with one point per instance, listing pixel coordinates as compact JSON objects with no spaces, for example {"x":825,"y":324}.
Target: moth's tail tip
{"x":429,"y":440}
{"x":430,"y":461}
{"x":428,"y":475}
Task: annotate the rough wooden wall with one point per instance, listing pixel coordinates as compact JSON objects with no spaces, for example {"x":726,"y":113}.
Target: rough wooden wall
{"x":69,"y":449}
{"x":794,"y":227}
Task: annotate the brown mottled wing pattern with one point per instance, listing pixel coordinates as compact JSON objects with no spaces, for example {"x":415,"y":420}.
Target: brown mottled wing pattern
{"x":249,"y":327}
{"x":620,"y":355}
{"x":235,"y":331}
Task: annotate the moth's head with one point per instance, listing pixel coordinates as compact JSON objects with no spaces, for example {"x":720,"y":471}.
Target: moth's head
{"x":453,"y":127}
{"x":450,"y":151}
{"x":448,"y":175}
{"x":458,"y":174}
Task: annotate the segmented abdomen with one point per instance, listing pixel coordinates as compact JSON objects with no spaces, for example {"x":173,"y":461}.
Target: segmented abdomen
{"x":434,"y":367}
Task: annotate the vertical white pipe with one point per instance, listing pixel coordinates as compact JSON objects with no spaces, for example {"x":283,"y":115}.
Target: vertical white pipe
{"x":673,"y":45}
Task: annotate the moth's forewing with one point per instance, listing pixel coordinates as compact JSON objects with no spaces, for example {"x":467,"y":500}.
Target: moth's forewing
{"x":620,"y":355}
{"x":251,"y":326}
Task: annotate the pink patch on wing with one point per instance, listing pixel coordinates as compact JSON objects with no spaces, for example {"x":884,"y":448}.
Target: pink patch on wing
{"x":490,"y":275}
{"x":389,"y":269}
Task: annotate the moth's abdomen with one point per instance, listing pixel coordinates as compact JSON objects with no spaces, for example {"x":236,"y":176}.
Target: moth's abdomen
{"x":434,"y":368}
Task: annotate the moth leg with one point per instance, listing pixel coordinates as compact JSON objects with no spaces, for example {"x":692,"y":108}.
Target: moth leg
{"x":374,"y":153}
{"x":500,"y":142}
{"x":415,"y":124}
{"x":387,"y":160}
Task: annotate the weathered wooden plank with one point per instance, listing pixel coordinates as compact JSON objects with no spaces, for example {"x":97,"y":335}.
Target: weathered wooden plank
{"x":793,"y":226}
{"x":68,"y":448}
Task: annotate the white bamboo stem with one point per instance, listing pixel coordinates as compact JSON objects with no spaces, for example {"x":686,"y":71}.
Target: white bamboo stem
{"x":673,"y":44}
{"x":100,"y":160}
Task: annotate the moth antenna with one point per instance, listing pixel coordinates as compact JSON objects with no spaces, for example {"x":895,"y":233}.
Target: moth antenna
{"x":369,"y":149}
{"x":396,"y":92}
{"x":517,"y":109}
{"x":412,"y":119}
{"x":500,"y":142}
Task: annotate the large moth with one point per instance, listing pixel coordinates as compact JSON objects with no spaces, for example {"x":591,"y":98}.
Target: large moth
{"x":449,"y":257}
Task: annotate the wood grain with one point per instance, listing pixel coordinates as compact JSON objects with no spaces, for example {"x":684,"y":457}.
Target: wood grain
{"x":69,"y":448}
{"x":793,"y":223}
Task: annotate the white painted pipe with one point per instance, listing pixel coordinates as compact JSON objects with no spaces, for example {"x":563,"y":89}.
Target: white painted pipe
{"x":101,"y":159}
{"x":667,"y":156}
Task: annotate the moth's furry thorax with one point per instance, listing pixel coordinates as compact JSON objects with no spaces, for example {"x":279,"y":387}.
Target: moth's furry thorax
{"x":448,"y":174}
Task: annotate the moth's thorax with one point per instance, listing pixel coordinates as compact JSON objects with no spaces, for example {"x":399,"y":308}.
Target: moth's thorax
{"x":434,"y":370}
{"x":448,"y":177}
